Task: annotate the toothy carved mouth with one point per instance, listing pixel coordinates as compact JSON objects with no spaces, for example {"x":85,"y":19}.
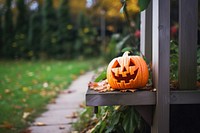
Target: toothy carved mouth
{"x":127,"y":78}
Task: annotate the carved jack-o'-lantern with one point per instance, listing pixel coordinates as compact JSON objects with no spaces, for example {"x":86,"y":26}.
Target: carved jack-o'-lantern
{"x":127,"y":72}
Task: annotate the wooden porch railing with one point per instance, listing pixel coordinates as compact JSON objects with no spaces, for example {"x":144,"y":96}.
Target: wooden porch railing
{"x":155,"y":45}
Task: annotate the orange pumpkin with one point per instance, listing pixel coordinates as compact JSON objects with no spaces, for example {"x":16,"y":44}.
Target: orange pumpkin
{"x":127,"y":72}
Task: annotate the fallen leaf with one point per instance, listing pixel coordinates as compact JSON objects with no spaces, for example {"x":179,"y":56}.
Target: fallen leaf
{"x":7,"y":91}
{"x":25,"y":115}
{"x":25,"y":89}
{"x":101,"y":86}
{"x":39,"y":124}
{"x":45,"y":84}
{"x":73,"y":115}
{"x":126,"y":90}
{"x":82,"y":105}
{"x":34,"y":81}
{"x":61,"y":127}
{"x":74,"y":132}
{"x":67,"y":91}
{"x":17,"y":107}
{"x":73,"y":76}
{"x":53,"y":101}
{"x":28,"y":109}
{"x":82,"y":71}
{"x":6,"y":125}
{"x":24,"y":100}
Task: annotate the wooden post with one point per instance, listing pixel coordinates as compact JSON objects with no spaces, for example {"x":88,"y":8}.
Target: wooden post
{"x":188,"y":19}
{"x":160,"y":64}
{"x":146,"y":32}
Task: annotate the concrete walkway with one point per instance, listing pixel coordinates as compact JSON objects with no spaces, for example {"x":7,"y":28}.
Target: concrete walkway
{"x":57,"y":118}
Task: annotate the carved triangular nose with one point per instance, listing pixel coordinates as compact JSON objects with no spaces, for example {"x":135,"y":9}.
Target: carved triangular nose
{"x":124,"y":69}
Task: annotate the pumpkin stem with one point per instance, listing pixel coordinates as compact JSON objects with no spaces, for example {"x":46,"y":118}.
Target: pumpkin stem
{"x":126,"y":53}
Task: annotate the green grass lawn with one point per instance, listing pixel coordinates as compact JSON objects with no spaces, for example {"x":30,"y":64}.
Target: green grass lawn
{"x":26,"y":87}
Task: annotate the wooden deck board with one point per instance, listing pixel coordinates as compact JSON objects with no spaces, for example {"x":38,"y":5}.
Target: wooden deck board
{"x":94,"y":98}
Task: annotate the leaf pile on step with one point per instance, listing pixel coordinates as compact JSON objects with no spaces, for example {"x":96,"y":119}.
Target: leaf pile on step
{"x":103,"y":86}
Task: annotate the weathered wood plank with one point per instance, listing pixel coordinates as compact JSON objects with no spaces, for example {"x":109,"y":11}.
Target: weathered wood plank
{"x":188,"y":19}
{"x":160,"y":64}
{"x":185,"y":97}
{"x":146,"y":32}
{"x":94,"y":98}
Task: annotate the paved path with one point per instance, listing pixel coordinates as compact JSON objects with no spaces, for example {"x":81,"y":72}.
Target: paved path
{"x":56,"y":119}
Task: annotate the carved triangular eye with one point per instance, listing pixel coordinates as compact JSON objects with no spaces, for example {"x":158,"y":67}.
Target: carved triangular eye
{"x":131,"y":63}
{"x":116,"y":64}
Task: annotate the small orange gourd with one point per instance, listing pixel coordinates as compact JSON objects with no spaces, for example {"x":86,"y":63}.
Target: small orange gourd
{"x":127,"y":72}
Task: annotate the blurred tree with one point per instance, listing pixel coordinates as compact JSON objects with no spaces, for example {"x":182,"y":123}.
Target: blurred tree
{"x":79,"y":41}
{"x":85,"y":44}
{"x":8,"y":31}
{"x":35,"y":32}
{"x":65,"y":30}
{"x":22,"y":17}
{"x":21,"y":29}
{"x":1,"y":34}
{"x":49,"y":28}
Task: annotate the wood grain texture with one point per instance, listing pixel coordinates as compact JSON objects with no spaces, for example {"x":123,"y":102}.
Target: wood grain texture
{"x":188,"y":18}
{"x":94,"y":98}
{"x":185,"y":97}
{"x":140,"y":98}
{"x":160,"y":64}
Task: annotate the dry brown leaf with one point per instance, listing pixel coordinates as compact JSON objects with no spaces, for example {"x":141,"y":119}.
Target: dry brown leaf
{"x":82,"y":105}
{"x":101,"y":86}
{"x":39,"y":124}
{"x":61,"y":127}
{"x":7,"y":91}
{"x":6,"y":125}
{"x":67,"y":91}
{"x":26,"y":131}
{"x":53,"y":101}
{"x":17,"y":107}
{"x":125,"y":90}
{"x":73,"y":76}
{"x":73,"y":115}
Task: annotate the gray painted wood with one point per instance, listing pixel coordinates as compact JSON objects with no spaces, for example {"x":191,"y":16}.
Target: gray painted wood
{"x":160,"y":64}
{"x":146,"y":32}
{"x":140,"y":98}
{"x":94,"y":98}
{"x":188,"y":19}
{"x":185,"y":97}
